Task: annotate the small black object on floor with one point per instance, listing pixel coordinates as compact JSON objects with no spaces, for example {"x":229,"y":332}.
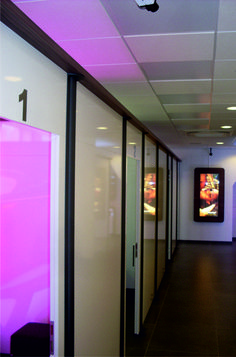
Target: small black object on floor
{"x":33,"y":339}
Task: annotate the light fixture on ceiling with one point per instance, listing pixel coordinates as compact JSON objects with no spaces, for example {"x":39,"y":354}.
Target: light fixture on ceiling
{"x":13,"y":79}
{"x":149,"y":5}
{"x":231,"y":108}
{"x":102,"y":127}
{"x":226,"y":127}
{"x":220,"y":143}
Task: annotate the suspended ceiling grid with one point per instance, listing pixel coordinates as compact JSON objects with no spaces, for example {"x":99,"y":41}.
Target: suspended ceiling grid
{"x":174,"y":69}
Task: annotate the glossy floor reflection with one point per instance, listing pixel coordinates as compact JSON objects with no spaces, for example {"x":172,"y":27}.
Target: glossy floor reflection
{"x":194,"y":313}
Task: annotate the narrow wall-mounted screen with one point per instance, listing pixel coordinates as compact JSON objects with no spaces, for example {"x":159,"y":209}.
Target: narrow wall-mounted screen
{"x":209,"y":195}
{"x":150,"y":193}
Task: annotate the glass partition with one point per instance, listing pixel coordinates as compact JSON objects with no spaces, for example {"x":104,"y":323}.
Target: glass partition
{"x":25,"y":168}
{"x":149,"y":244}
{"x":133,"y":230}
{"x":174,"y":204}
{"x":97,"y":227}
{"x":162,"y":207}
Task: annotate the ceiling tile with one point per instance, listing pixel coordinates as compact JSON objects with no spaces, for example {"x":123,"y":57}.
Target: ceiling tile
{"x":116,"y":73}
{"x":172,"y":17}
{"x":227,"y":15}
{"x":172,"y":47}
{"x":222,"y":108}
{"x":186,"y":108}
{"x":190,"y":115}
{"x":224,"y":86}
{"x":69,"y":19}
{"x":182,"y":86}
{"x":225,"y":45}
{"x":228,"y":98}
{"x":225,"y":69}
{"x":129,"y":89}
{"x":227,"y":115}
{"x":98,"y":51}
{"x":190,"y":124}
{"x":184,"y":98}
{"x":178,"y":70}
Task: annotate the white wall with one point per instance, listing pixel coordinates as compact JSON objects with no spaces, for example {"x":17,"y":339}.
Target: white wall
{"x":190,"y":230}
{"x":23,"y":67}
{"x":234,"y":210}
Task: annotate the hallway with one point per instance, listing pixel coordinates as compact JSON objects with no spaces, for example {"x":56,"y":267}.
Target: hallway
{"x":194,"y":313}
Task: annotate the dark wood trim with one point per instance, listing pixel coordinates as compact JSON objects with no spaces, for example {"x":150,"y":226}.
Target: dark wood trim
{"x":70,"y":214}
{"x":21,"y":24}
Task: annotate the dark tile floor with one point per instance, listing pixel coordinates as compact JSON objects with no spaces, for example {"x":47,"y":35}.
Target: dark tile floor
{"x":194,"y":313}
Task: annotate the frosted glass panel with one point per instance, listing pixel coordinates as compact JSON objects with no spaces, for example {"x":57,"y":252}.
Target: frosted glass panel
{"x":174,"y":202}
{"x":149,"y":226}
{"x":97,"y":227}
{"x":25,"y":227}
{"x":133,"y":229}
{"x":162,"y":195}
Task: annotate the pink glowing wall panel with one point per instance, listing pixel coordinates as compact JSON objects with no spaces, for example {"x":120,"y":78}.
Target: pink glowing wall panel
{"x":25,"y":227}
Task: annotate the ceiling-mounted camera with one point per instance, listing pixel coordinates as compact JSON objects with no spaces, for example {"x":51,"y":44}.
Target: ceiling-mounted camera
{"x":150,"y":5}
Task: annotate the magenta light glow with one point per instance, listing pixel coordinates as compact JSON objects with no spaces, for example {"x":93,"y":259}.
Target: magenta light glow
{"x":25,"y":227}
{"x":69,"y":19}
{"x":116,"y":73}
{"x":98,"y":51}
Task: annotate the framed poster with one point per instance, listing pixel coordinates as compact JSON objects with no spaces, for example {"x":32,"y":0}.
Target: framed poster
{"x":209,"y":195}
{"x":150,"y":194}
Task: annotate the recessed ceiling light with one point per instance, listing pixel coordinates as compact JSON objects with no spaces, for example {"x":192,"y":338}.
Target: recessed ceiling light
{"x":13,"y":79}
{"x":132,"y":143}
{"x":102,"y":128}
{"x":226,"y":127}
{"x":231,"y":108}
{"x":220,"y":143}
{"x":116,"y":147}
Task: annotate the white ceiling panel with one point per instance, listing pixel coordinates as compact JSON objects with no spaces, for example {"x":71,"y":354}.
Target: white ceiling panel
{"x":178,"y":70}
{"x":224,"y":86}
{"x":225,"y":69}
{"x":185,"y":108}
{"x":117,"y":73}
{"x":225,"y":45}
{"x":182,"y":86}
{"x":177,"y":65}
{"x":229,"y":98}
{"x":173,"y":16}
{"x":190,"y":124}
{"x":227,"y":15}
{"x":185,"y":98}
{"x":172,"y":47}
{"x":130,"y":89}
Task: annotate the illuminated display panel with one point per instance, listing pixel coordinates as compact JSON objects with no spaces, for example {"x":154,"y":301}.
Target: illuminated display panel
{"x":150,"y":193}
{"x":209,"y":195}
{"x":25,"y":228}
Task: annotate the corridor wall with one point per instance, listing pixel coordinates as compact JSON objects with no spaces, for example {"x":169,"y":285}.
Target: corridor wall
{"x":190,"y":230}
{"x":33,"y":94}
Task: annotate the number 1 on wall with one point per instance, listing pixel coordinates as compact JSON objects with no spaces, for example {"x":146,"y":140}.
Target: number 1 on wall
{"x":23,"y":97}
